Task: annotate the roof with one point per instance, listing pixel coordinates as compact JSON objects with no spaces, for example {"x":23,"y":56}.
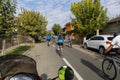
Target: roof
{"x":114,"y":20}
{"x":67,"y":24}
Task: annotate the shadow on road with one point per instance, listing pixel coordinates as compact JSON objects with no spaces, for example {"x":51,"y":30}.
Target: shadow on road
{"x":94,"y":68}
{"x":58,"y":52}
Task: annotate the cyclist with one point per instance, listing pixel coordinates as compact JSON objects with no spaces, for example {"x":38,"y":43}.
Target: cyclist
{"x":53,"y":40}
{"x":69,"y":40}
{"x":48,"y":37}
{"x":115,"y":41}
{"x":60,"y":41}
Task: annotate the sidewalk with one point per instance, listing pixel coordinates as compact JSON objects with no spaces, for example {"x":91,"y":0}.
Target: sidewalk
{"x":79,"y":47}
{"x":87,"y":51}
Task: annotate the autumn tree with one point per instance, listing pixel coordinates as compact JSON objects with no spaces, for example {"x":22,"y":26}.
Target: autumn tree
{"x":89,"y":16}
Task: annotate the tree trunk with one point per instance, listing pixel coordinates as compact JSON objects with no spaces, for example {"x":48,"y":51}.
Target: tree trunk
{"x":3,"y":46}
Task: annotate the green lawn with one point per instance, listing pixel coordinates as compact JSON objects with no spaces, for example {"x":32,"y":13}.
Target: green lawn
{"x":19,"y":50}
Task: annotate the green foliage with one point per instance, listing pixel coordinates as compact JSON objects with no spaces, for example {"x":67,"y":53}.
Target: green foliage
{"x":49,"y":32}
{"x":32,"y":23}
{"x":89,"y":16}
{"x":7,"y":11}
{"x":43,"y":31}
{"x":56,"y":29}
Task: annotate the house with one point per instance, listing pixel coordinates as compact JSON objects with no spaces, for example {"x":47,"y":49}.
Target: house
{"x":112,"y":26}
{"x":68,"y":28}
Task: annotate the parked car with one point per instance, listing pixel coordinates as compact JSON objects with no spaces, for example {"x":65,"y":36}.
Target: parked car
{"x":99,"y":42}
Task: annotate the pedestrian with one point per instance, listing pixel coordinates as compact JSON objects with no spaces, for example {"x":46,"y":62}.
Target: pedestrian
{"x":69,"y":40}
{"x":53,"y":41}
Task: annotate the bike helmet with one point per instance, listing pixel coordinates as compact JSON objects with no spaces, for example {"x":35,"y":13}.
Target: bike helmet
{"x":116,"y":33}
{"x":65,"y":73}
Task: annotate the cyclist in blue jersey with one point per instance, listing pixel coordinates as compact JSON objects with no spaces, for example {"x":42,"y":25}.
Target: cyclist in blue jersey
{"x":48,"y":37}
{"x":60,"y":41}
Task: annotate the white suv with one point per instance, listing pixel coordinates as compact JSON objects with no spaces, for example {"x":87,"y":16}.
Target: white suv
{"x":99,"y":42}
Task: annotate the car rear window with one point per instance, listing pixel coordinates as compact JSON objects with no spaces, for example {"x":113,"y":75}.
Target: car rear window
{"x":110,"y":38}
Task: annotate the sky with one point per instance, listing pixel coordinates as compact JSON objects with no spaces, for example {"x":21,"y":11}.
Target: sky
{"x":58,"y":11}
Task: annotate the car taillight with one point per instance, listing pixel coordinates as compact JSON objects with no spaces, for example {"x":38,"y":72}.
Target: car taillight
{"x":108,"y":42}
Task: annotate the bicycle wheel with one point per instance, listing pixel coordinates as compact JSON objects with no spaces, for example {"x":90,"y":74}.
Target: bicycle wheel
{"x":61,"y":53}
{"x":109,"y":69}
{"x":71,"y":44}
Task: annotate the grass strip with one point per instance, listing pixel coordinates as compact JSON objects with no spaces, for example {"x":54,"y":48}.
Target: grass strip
{"x":19,"y":50}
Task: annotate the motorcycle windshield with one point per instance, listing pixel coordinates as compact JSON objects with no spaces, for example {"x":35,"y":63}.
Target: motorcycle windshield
{"x":12,"y":64}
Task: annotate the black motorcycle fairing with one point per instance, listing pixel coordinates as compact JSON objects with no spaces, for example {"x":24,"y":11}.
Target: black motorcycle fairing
{"x":22,"y":76}
{"x":13,"y":64}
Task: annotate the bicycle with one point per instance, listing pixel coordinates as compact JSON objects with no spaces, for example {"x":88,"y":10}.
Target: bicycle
{"x":111,"y":66}
{"x":70,"y":44}
{"x":60,"y":50}
{"x":48,"y":43}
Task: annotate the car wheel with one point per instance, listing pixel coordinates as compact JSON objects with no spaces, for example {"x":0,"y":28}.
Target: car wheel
{"x":101,"y":50}
{"x":85,"y":46}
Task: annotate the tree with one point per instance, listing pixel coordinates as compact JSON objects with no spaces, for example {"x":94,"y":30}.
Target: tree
{"x":7,"y":11}
{"x":43,"y":31}
{"x":32,"y":23}
{"x":89,"y":16}
{"x":49,"y":32}
{"x":56,"y":29}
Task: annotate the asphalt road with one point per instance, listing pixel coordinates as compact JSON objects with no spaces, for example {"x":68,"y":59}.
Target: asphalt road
{"x":91,"y":61}
{"x":86,"y":64}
